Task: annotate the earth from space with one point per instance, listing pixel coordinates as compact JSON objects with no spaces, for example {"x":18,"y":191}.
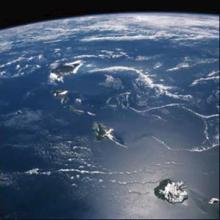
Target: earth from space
{"x":110,"y":116}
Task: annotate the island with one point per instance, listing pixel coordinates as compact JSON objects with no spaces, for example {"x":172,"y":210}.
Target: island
{"x":172,"y":192}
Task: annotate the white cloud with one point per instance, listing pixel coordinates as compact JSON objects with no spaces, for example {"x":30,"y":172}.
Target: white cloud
{"x":112,"y":82}
{"x":157,"y":65}
{"x":5,"y":46}
{"x":189,"y":62}
{"x":53,"y":78}
{"x":144,"y":79}
{"x":204,"y":79}
{"x":214,"y":200}
{"x":122,"y":38}
{"x":34,"y":171}
{"x":133,"y":26}
{"x":179,"y":66}
{"x":177,"y":27}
